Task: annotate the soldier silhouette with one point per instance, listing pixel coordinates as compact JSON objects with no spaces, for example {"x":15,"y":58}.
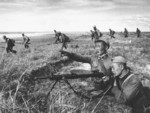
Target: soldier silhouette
{"x":10,"y":43}
{"x":26,"y":40}
{"x":125,"y":33}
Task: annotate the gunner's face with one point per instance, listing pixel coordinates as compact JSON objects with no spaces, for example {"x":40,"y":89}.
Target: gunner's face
{"x":117,"y":69}
{"x":100,"y":48}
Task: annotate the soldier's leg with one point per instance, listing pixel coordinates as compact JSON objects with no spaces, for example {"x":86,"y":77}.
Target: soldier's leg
{"x":64,"y":45}
{"x":56,"y":41}
{"x":11,"y":49}
{"x":26,"y":45}
{"x":7,"y":49}
{"x":28,"y":42}
{"x":138,"y":35}
{"x":14,"y":51}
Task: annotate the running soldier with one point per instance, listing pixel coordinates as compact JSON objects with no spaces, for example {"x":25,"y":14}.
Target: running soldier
{"x":125,"y":33}
{"x":97,"y":33}
{"x":92,"y":34}
{"x":65,"y":39}
{"x":10,"y":43}
{"x":138,"y":32}
{"x":57,"y":37}
{"x":26,"y":40}
{"x":112,"y":32}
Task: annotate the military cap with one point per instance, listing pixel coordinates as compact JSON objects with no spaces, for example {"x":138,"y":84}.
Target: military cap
{"x":105,"y":41}
{"x":119,"y":59}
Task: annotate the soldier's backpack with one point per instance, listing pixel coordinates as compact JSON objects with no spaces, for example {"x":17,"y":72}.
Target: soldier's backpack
{"x":114,"y":32}
{"x":12,"y":42}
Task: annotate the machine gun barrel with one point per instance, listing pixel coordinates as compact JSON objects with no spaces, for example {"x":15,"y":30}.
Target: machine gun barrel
{"x":72,"y":76}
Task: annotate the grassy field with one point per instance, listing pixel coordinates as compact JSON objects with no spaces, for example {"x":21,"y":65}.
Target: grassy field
{"x":21,"y":93}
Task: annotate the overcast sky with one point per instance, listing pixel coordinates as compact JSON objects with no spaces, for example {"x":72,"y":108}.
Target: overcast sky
{"x":74,"y":15}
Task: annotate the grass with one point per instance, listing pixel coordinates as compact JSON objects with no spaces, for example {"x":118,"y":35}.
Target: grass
{"x":21,"y":93}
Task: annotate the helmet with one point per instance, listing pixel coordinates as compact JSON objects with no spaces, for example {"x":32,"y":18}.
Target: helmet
{"x":105,"y":41}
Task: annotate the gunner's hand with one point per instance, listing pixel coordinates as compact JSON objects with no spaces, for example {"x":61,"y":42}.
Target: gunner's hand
{"x":105,"y":78}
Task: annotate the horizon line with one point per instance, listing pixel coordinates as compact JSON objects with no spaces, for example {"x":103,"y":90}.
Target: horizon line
{"x":61,"y":31}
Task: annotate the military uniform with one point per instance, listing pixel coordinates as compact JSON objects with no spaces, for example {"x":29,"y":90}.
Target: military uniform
{"x":98,"y":64}
{"x":10,"y":45}
{"x":92,"y":35}
{"x":138,"y":32}
{"x":97,"y":34}
{"x":125,"y":33}
{"x":112,"y":33}
{"x":57,"y":37}
{"x":26,"y":41}
{"x":65,"y":40}
{"x":129,"y":90}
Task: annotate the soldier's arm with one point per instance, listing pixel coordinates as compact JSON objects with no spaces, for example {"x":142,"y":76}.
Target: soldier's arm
{"x":80,"y":58}
{"x":130,"y":91}
{"x":77,"y":57}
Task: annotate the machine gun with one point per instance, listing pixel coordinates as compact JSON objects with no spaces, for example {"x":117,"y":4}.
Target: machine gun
{"x":75,"y":74}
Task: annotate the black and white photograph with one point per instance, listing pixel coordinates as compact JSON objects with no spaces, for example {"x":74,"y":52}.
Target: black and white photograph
{"x":74,"y":56}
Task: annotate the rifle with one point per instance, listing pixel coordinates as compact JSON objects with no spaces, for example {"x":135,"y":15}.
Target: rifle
{"x":75,"y":74}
